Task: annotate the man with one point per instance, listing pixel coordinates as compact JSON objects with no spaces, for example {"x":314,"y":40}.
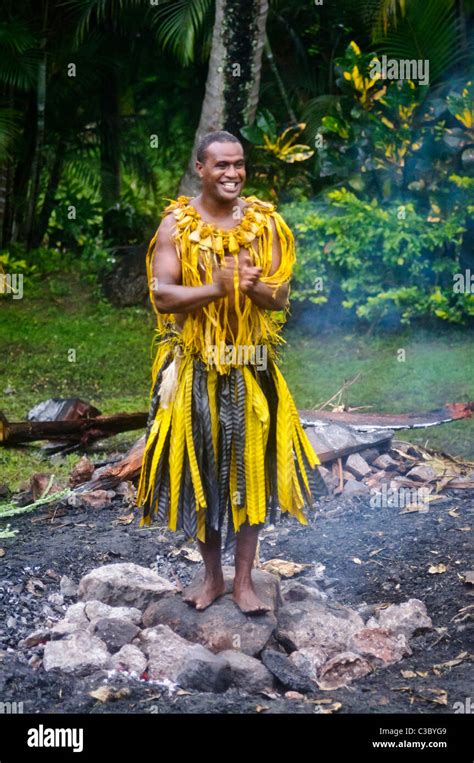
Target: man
{"x":224,"y":440}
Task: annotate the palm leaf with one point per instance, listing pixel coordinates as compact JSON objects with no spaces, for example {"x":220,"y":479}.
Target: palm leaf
{"x":429,"y":31}
{"x":179,"y":23}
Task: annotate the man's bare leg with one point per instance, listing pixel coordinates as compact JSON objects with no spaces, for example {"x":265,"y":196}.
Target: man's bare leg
{"x":203,"y":595}
{"x":245,"y":548}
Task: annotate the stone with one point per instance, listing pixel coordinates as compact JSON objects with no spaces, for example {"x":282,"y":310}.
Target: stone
{"x":173,"y":658}
{"x":125,"y":584}
{"x":84,"y":615}
{"x":247,"y":673}
{"x":357,"y":465}
{"x":313,"y":623}
{"x":222,"y":625}
{"x":93,"y":499}
{"x":286,"y":671}
{"x":309,"y":660}
{"x":67,"y":586}
{"x":381,"y":643}
{"x":77,"y":653}
{"x":293,"y":590}
{"x":385,"y":462}
{"x":422,"y":473}
{"x":115,"y":633}
{"x":35,"y":638}
{"x":408,"y":618}
{"x":94,"y":610}
{"x":341,"y":669}
{"x":204,"y":671}
{"x":74,"y":620}
{"x":129,"y":659}
{"x":370,"y":454}
{"x":352,"y":487}
{"x":56,"y":599}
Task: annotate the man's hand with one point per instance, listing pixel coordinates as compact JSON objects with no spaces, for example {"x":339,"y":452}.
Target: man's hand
{"x":224,"y":277}
{"x":248,"y":275}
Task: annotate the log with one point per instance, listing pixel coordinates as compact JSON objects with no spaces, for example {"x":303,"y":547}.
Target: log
{"x":83,"y":431}
{"x":372,"y":422}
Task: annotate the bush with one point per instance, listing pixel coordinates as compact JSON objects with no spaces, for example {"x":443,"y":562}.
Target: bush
{"x":378,"y":259}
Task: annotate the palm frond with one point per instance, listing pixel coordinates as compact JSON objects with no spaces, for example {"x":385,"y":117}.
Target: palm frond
{"x":178,"y":24}
{"x":19,"y":55}
{"x":429,"y":31}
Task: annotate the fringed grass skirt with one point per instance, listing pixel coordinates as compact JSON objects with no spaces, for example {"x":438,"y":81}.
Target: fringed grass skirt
{"x":223,"y":448}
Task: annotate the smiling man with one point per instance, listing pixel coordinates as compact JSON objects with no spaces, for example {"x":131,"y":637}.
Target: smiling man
{"x":225,"y":445}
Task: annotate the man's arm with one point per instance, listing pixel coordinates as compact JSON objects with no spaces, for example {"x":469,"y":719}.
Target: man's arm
{"x":168,"y":294}
{"x":260,"y":293}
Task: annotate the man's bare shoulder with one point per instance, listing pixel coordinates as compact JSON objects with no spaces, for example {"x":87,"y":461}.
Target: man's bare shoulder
{"x":166,"y":228}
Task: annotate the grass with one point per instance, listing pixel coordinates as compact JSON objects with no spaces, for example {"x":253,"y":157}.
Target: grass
{"x":65,"y":340}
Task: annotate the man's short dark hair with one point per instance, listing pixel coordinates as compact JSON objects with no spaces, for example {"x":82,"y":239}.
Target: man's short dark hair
{"x":219,"y":136}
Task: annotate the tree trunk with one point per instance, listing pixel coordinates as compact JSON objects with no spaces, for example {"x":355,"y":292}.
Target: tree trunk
{"x":233,"y":79}
{"x":50,"y":196}
{"x":15,"y":228}
{"x":40,"y":106}
{"x":110,"y":133}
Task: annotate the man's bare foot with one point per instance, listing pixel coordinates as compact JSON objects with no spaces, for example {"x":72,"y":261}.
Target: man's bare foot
{"x":247,"y":600}
{"x":203,"y":595}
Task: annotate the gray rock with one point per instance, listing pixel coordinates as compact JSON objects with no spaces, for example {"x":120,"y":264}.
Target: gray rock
{"x":293,"y":590}
{"x":325,"y":624}
{"x":173,"y":658}
{"x":309,"y":660}
{"x":67,"y":586}
{"x":35,"y":638}
{"x":422,"y":473}
{"x":95,"y":610}
{"x":407,"y":618}
{"x":221,"y":626}
{"x":84,"y":615}
{"x":286,"y":671}
{"x":247,"y":673}
{"x":352,"y":487}
{"x":115,"y":633}
{"x":204,"y":671}
{"x":385,"y":462}
{"x":129,"y":659}
{"x":77,"y":653}
{"x":74,"y":620}
{"x":357,"y":465}
{"x":370,"y":454}
{"x":56,"y":599}
{"x":124,"y":584}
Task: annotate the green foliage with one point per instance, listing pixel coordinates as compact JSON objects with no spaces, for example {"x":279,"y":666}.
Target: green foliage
{"x":390,"y":236}
{"x":378,"y":260}
{"x":275,"y":153}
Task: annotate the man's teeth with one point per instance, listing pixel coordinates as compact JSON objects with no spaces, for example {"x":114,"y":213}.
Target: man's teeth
{"x":232,"y":186}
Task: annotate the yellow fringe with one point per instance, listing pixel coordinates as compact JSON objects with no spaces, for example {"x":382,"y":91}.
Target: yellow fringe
{"x":199,"y":241}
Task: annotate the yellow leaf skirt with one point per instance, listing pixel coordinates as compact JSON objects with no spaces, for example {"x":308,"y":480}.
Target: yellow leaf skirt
{"x":223,"y":447}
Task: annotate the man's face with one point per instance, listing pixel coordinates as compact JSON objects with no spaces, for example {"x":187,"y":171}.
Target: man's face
{"x":223,"y":171}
